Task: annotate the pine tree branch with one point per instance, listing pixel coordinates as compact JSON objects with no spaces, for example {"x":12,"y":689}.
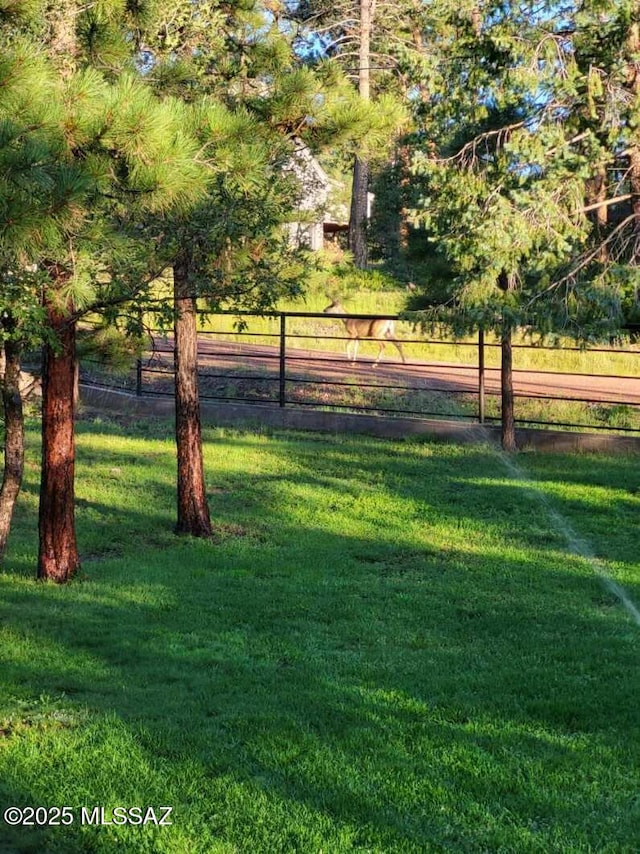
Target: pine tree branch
{"x":583,"y":261}
{"x":616,"y":200}
{"x":578,"y":138}
{"x":127,"y":296}
{"x":473,"y":144}
{"x":345,"y":23}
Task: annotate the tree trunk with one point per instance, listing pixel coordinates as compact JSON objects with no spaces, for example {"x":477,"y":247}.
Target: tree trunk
{"x":633,"y":84}
{"x":404,"y":160}
{"x":634,"y":154}
{"x":58,"y":555}
{"x":597,"y":192}
{"x":13,"y":440}
{"x":506,"y":381}
{"x":634,"y":183}
{"x":359,"y":212}
{"x":193,"y":510}
{"x":506,"y":283}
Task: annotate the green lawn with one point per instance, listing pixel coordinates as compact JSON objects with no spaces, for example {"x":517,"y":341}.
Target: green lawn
{"x":388,"y":647}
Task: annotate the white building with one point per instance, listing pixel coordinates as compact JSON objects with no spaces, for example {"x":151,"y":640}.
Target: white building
{"x":318,"y":218}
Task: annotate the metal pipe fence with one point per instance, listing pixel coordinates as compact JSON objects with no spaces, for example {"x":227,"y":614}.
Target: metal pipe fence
{"x":297,"y":359}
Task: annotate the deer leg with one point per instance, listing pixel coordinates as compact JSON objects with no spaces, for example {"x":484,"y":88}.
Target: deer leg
{"x":383,"y":344}
{"x":354,"y":343}
{"x":391,"y":337}
{"x":396,"y":344}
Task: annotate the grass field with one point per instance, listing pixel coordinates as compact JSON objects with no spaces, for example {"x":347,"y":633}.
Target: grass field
{"x":388,"y":647}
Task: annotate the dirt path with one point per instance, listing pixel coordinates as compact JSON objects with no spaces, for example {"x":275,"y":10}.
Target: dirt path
{"x":261,"y":361}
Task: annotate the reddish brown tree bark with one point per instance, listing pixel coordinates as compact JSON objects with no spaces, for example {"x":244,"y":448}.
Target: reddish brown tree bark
{"x":508,"y":420}
{"x":193,"y":509}
{"x":13,"y":440}
{"x":58,"y":553}
{"x":508,"y":400}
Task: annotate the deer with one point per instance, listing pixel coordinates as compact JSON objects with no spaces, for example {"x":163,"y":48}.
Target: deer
{"x":378,"y":330}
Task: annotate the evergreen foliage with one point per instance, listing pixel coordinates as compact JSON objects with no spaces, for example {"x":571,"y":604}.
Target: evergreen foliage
{"x":514,"y":179}
{"x":88,"y":149}
{"x":83,"y":153}
{"x":258,"y":105}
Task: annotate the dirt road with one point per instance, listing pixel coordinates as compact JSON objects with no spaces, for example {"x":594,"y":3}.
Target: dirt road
{"x":262,"y":361}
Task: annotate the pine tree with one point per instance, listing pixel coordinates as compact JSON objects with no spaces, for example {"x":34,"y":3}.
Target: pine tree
{"x":253,"y":105}
{"x":505,"y":180}
{"x":33,"y":192}
{"x":118,"y":150}
{"x":217,"y":76}
{"x":375,"y":43}
{"x":605,"y":111}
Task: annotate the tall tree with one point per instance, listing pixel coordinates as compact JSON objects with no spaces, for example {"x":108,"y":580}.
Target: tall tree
{"x":359,"y":213}
{"x":253,"y":106}
{"x":34,"y":196}
{"x":118,"y":150}
{"x":363,"y":36}
{"x":523,"y":176}
{"x":503,"y":192}
{"x":220,"y":75}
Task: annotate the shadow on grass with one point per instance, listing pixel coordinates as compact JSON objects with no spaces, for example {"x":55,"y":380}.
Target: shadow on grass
{"x":393,"y":702}
{"x":313,"y":684}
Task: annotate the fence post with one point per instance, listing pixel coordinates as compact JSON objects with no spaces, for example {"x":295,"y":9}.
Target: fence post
{"x":481,"y":376}
{"x":138,"y":377}
{"x":283,"y":358}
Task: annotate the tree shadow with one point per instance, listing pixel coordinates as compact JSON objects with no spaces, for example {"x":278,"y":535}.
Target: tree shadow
{"x":384,"y":690}
{"x":316,"y":695}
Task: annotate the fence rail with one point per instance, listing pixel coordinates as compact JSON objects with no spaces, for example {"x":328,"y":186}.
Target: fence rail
{"x":298,"y":359}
